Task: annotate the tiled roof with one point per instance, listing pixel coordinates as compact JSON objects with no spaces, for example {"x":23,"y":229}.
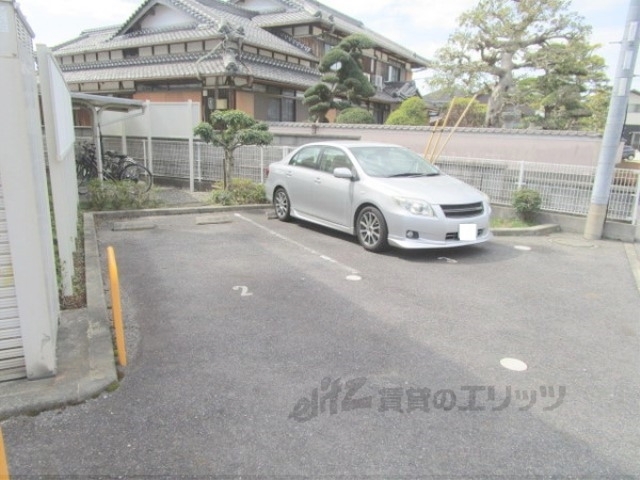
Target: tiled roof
{"x":210,"y":20}
{"x":307,"y":11}
{"x":186,"y":66}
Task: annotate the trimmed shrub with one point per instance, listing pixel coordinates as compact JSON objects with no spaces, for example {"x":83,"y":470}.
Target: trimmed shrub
{"x":527,"y":203}
{"x":355,"y":115}
{"x":241,"y":191}
{"x":412,"y":111}
{"x":108,"y":195}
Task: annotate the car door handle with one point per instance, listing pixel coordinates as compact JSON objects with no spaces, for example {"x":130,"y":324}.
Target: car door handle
{"x":317,"y":180}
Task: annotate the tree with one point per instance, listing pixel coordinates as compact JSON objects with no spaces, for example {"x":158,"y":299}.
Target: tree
{"x":411,"y":111}
{"x":598,"y":104}
{"x":231,"y":129}
{"x":570,"y":74}
{"x":342,"y":77}
{"x":473,"y":118}
{"x":498,"y":38}
{"x":355,"y":115}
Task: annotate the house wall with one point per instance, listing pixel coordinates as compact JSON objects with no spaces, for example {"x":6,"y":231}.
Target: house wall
{"x":164,"y":17}
{"x":245,"y":102}
{"x":170,"y":96}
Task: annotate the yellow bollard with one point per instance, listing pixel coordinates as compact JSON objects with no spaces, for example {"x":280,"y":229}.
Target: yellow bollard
{"x":4,"y":467}
{"x":116,"y":307}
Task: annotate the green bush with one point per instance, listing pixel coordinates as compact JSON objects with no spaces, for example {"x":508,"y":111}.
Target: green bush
{"x":107,"y":195}
{"x":241,"y":192}
{"x":355,"y":116}
{"x":527,"y":203}
{"x":412,"y":111}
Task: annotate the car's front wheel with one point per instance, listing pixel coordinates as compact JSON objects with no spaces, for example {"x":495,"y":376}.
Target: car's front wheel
{"x":371,"y":229}
{"x":282,"y":205}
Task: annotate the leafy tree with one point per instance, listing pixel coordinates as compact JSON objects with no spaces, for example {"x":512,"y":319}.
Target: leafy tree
{"x":231,"y":129}
{"x":498,"y":38}
{"x":342,"y":77}
{"x":570,"y":73}
{"x":411,"y":111}
{"x":355,"y":115}
{"x":598,"y":104}
{"x":474,"y":117}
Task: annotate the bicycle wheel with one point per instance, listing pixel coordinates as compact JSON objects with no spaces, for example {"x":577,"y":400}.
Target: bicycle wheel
{"x":84,"y":173}
{"x":138,"y":175}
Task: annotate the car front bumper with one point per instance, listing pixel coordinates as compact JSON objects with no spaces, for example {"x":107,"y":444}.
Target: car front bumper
{"x":417,"y":232}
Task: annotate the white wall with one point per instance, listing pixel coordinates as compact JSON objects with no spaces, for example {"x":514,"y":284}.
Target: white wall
{"x":25,"y":192}
{"x":60,"y":138}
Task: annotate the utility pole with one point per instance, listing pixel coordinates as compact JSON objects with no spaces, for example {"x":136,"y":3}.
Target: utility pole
{"x":615,"y":122}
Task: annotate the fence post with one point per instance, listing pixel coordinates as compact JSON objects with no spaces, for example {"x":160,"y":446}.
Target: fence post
{"x":261,"y":164}
{"x":144,"y":153}
{"x":521,"y":176}
{"x":149,"y":134}
{"x":636,"y":201}
{"x":199,"y":160}
{"x":190,"y":136}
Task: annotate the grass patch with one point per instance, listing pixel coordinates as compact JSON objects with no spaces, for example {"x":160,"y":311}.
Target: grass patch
{"x":510,"y":223}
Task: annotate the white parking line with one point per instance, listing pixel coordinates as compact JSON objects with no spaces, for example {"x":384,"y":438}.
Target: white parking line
{"x":352,"y":271}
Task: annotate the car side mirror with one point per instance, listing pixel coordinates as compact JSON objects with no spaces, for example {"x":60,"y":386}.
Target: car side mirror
{"x":342,"y":172}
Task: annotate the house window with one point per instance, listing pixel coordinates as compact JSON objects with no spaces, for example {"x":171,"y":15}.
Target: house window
{"x":130,"y":53}
{"x":393,"y":74}
{"x":634,"y":108}
{"x":278,"y":105}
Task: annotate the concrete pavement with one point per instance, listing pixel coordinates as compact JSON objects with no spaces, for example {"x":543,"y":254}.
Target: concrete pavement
{"x":86,"y":363}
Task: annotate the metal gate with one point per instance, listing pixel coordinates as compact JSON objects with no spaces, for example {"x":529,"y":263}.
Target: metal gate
{"x":12,"y":362}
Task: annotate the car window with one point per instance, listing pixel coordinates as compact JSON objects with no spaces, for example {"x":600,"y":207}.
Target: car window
{"x":333,"y":158}
{"x":392,"y":161}
{"x":307,"y":157}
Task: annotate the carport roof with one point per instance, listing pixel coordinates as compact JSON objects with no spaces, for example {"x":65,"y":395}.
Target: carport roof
{"x":104,"y":102}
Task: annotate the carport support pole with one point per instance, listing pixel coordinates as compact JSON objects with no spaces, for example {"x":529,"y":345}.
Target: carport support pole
{"x":596,"y":217}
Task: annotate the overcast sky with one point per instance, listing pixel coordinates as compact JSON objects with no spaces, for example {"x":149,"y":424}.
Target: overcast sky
{"x":422,"y":26}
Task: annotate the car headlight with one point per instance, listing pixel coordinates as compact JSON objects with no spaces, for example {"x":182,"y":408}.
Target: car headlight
{"x":416,"y":206}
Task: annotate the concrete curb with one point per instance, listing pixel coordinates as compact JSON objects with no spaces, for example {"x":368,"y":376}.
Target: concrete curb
{"x":157,"y":212}
{"x":537,"y":230}
{"x":633,"y":255}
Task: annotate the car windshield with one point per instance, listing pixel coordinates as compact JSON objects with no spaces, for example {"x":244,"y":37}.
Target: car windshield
{"x":392,"y":161}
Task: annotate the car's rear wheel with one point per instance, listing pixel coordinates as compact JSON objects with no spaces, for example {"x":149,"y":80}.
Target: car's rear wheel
{"x":282,"y":205}
{"x":371,"y":229}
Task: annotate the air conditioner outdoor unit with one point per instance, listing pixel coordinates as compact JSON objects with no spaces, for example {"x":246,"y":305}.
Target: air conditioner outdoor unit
{"x":377,"y":81}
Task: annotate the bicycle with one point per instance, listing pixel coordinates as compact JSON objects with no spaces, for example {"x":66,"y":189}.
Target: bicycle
{"x":115,"y":167}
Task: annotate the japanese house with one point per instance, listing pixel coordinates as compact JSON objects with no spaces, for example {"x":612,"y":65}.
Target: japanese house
{"x":258,"y":56}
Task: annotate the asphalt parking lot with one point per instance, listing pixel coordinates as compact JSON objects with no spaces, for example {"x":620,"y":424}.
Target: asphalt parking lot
{"x":269,"y":349}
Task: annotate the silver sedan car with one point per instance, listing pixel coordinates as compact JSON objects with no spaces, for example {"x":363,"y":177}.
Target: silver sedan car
{"x":385,"y":195}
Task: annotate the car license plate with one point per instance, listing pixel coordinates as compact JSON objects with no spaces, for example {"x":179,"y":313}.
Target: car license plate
{"x":468,"y":231}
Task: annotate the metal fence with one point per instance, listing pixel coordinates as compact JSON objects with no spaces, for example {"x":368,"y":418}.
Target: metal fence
{"x":564,"y":188}
{"x":170,"y":158}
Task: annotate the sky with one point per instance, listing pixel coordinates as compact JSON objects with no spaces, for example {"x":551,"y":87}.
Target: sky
{"x":422,"y":26}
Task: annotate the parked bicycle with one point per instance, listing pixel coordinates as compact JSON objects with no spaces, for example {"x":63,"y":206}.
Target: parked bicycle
{"x":115,"y":167}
